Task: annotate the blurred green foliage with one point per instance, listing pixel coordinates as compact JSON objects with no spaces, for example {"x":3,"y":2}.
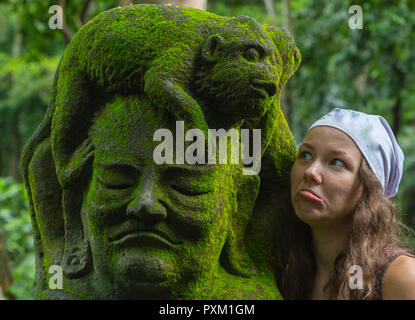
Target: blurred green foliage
{"x":24,"y":94}
{"x":371,"y":70}
{"x":17,"y":229}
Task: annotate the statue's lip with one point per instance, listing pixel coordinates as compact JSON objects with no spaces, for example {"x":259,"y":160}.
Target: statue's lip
{"x":143,"y":238}
{"x":264,"y":88}
{"x":150,"y":237}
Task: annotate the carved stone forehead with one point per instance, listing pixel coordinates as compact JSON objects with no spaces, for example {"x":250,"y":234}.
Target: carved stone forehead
{"x":243,"y":29}
{"x":126,"y":125}
{"x":124,"y":129}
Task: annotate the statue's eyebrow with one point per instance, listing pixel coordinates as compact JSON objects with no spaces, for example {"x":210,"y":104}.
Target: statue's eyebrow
{"x":117,"y":165}
{"x":259,"y":46}
{"x":176,"y":168}
{"x":195,"y":169}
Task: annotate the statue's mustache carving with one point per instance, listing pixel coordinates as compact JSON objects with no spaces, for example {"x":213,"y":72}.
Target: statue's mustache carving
{"x":132,"y":232}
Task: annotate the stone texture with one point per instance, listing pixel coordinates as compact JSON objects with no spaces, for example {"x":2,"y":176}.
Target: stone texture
{"x":123,"y":227}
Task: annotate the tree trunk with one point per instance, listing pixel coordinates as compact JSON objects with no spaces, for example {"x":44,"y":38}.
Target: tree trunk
{"x":16,"y":143}
{"x":3,"y":165}
{"x":397,"y":108}
{"x":270,"y":7}
{"x":67,"y":34}
{"x":123,"y":3}
{"x":286,"y":96}
{"x":13,"y":169}
{"x":287,"y":14}
{"x":5,"y":273}
{"x":198,"y":4}
{"x":17,"y":40}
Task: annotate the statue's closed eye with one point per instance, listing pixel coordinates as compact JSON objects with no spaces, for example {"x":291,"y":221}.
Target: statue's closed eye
{"x":117,"y":176}
{"x":117,"y":184}
{"x":190,"y":181}
{"x":188,"y":190}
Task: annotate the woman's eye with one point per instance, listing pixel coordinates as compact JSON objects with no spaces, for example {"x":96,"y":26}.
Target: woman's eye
{"x":252,"y":54}
{"x":338,"y":163}
{"x":305,"y":155}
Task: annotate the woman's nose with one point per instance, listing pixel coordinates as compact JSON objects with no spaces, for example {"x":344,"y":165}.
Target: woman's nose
{"x":146,"y":206}
{"x":313,"y":172}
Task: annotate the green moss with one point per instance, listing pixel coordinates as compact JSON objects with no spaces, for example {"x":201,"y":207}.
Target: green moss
{"x":143,"y":63}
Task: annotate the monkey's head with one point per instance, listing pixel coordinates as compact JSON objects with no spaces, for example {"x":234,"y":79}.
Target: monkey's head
{"x":239,"y":76}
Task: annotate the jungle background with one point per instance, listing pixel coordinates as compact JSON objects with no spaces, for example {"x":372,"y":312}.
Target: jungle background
{"x":370,"y":69}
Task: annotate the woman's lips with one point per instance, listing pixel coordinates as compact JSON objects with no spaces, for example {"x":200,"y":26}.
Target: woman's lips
{"x":309,"y":194}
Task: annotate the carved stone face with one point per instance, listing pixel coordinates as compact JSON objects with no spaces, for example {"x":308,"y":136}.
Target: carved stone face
{"x":157,"y":231}
{"x":151,"y":227}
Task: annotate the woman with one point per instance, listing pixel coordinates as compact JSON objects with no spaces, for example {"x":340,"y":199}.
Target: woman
{"x":344,"y":240}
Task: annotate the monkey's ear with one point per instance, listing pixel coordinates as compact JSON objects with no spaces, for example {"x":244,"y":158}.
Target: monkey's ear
{"x":210,"y":48}
{"x":288,"y":51}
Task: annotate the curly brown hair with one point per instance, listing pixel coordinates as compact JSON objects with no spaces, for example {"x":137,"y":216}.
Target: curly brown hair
{"x":376,"y":232}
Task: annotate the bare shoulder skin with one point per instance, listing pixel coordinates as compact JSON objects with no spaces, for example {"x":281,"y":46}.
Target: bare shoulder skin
{"x":399,"y":279}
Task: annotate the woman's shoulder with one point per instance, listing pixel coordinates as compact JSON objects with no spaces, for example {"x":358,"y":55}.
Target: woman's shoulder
{"x":399,"y":278}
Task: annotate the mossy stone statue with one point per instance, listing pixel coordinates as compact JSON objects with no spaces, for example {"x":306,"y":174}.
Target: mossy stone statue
{"x":123,"y":227}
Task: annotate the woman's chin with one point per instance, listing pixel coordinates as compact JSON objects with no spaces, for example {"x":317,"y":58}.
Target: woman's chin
{"x":309,"y":214}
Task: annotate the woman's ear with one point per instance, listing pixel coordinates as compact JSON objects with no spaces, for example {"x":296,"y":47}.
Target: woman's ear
{"x":234,"y":256}
{"x":210,"y":49}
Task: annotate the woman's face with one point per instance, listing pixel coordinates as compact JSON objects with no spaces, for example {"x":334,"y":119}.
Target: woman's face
{"x":325,"y":182}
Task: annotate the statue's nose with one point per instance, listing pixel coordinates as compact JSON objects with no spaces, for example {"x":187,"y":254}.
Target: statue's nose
{"x":268,"y":86}
{"x":146,"y":206}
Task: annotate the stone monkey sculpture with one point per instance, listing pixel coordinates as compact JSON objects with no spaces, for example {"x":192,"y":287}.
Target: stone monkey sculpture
{"x":162,"y":50}
{"x":205,"y":69}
